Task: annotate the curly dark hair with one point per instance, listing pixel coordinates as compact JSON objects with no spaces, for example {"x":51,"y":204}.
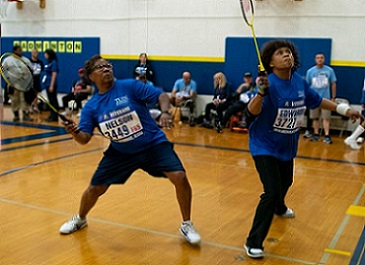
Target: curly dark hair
{"x":270,"y":47}
{"x":51,"y":55}
{"x":89,"y":64}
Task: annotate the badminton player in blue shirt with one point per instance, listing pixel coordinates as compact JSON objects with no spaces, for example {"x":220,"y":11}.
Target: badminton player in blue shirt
{"x":119,"y":111}
{"x":277,"y":113}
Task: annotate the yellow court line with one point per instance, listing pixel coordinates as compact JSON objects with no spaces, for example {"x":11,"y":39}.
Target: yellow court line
{"x":338,"y":252}
{"x":356,"y":210}
{"x":166,"y":58}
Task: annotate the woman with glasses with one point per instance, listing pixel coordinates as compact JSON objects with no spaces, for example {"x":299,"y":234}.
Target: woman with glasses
{"x":119,"y":110}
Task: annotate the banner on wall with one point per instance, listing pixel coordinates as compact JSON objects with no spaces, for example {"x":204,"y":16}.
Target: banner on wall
{"x":71,"y":53}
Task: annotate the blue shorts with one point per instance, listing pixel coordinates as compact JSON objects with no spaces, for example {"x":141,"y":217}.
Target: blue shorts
{"x":116,"y":168}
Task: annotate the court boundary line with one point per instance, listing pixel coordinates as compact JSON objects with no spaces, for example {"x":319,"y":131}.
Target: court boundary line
{"x":150,"y":231}
{"x":10,"y":171}
{"x":341,"y":228}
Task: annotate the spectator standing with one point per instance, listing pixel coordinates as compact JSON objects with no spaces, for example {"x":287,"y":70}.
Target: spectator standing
{"x":17,"y":97}
{"x":322,"y":79}
{"x":143,"y":67}
{"x":38,"y":67}
{"x":51,"y":69}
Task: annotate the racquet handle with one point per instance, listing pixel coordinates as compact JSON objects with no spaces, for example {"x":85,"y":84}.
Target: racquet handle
{"x":262,"y":73}
{"x":67,"y":121}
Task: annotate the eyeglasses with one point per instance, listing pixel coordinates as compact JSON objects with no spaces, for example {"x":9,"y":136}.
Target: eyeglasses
{"x":102,"y":66}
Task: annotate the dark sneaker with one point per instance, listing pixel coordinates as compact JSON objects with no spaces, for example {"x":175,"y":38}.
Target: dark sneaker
{"x":255,"y":253}
{"x":219,"y":127}
{"x":327,"y":140}
{"x":315,"y":138}
{"x":192,"y":122}
{"x":207,"y":125}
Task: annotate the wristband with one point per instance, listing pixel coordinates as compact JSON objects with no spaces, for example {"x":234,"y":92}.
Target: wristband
{"x":342,"y":108}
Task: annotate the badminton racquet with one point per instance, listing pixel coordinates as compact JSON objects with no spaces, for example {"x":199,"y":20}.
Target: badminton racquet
{"x":248,"y":12}
{"x":17,"y":73}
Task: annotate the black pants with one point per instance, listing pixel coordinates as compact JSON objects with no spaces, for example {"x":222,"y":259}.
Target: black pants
{"x":219,"y":108}
{"x":276,"y":177}
{"x":52,"y":97}
{"x":233,"y":110}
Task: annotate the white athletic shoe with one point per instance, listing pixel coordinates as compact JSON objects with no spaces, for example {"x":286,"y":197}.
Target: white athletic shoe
{"x":360,"y":140}
{"x":188,"y":230}
{"x":352,"y":143}
{"x":255,"y":253}
{"x":72,"y":225}
{"x":288,"y":214}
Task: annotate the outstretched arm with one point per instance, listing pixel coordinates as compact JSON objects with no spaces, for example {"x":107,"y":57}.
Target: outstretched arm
{"x":342,"y":109}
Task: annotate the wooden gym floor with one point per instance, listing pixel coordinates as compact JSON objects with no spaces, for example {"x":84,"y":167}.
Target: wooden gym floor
{"x":44,"y":172}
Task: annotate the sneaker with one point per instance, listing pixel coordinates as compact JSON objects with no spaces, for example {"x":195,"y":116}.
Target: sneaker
{"x":288,"y":214}
{"x":188,"y":230}
{"x":207,"y":125}
{"x":315,"y":138}
{"x":307,"y":134}
{"x":74,"y":224}
{"x":327,"y":140}
{"x":192,"y":122}
{"x":219,"y":128}
{"x":352,"y":143}
{"x":360,"y":140}
{"x":255,"y":253}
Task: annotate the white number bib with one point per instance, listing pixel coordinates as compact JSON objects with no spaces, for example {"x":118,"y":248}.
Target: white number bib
{"x":289,"y":120}
{"x":122,"y":128}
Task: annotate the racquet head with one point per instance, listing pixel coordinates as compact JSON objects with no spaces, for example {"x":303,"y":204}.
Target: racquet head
{"x":248,"y":11}
{"x":16,"y":71}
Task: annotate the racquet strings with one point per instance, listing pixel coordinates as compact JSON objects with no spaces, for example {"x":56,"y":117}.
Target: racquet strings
{"x":247,"y":8}
{"x":16,"y":72}
{"x":247,"y":11}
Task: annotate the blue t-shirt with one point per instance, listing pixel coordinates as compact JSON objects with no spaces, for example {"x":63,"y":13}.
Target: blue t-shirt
{"x":49,"y":68}
{"x":320,"y":79}
{"x":275,"y":131}
{"x":183,"y":89}
{"x":121,"y":115}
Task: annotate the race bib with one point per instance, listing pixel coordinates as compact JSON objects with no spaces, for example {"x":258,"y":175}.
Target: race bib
{"x":289,"y":120}
{"x":122,"y":128}
{"x":320,"y":81}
